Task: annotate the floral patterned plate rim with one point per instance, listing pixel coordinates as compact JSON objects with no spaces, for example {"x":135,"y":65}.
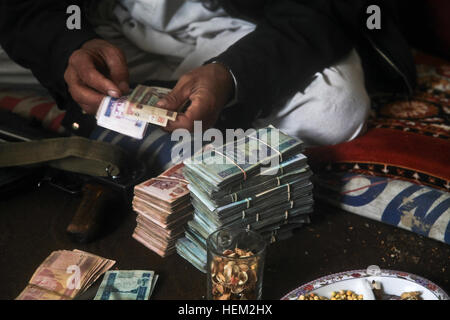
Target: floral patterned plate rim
{"x":384,"y":274}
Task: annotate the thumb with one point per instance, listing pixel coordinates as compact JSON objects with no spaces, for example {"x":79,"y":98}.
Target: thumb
{"x":175,"y":99}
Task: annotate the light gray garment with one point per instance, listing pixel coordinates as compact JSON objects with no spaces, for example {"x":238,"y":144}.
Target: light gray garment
{"x":334,"y":108}
{"x":182,"y":34}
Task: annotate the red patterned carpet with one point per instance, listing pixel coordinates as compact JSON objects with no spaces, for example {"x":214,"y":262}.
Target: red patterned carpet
{"x":407,"y":139}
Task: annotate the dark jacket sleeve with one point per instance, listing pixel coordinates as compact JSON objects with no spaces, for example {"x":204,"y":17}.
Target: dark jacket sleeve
{"x":293,"y":40}
{"x":34,"y":34}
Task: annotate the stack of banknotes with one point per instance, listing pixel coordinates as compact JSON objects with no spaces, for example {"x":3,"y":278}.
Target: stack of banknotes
{"x":130,"y":115}
{"x":227,"y":192}
{"x":163,"y":206}
{"x":127,"y":285}
{"x":64,"y":275}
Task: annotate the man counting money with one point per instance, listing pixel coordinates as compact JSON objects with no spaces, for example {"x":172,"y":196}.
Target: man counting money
{"x":304,"y":66}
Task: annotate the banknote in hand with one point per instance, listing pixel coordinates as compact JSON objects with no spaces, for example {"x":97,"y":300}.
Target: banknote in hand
{"x":130,"y":115}
{"x":141,"y":105}
{"x":111,"y":115}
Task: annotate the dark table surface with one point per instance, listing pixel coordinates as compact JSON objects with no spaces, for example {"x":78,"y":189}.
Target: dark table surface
{"x":33,"y":224}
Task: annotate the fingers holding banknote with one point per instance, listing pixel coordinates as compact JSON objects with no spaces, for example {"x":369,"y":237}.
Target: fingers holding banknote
{"x":208,"y":88}
{"x":96,"y":69}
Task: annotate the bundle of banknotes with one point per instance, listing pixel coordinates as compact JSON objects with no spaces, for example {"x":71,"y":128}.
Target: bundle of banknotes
{"x":65,"y":275}
{"x":163,"y":208}
{"x":130,"y":115}
{"x":127,"y":285}
{"x":230,"y":193}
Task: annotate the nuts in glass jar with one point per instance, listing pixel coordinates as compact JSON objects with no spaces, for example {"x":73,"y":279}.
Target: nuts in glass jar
{"x":234,"y":275}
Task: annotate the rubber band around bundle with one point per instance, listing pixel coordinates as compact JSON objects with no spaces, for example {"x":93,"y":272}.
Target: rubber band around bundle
{"x":277,"y":151}
{"x":171,"y":179}
{"x":234,"y":162}
{"x":289,"y":191}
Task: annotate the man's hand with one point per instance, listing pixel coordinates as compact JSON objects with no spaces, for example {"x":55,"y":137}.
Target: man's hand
{"x":96,"y":69}
{"x":209,"y":88}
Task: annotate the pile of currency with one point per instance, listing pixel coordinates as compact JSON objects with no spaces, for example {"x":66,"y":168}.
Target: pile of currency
{"x":127,"y":285}
{"x":64,"y":275}
{"x":231,"y":188}
{"x":163,"y":206}
{"x":130,"y":115}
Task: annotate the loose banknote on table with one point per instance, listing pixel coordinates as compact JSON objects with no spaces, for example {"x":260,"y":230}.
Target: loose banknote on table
{"x":130,"y":115}
{"x":127,"y":285}
{"x":64,"y":275}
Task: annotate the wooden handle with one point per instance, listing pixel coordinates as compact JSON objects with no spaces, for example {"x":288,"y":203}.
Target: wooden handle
{"x":86,"y":223}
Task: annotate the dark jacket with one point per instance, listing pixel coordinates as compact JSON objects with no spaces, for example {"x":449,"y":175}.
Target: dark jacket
{"x":293,"y":40}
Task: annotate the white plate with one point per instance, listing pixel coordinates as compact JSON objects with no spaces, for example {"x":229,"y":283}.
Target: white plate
{"x":393,"y":283}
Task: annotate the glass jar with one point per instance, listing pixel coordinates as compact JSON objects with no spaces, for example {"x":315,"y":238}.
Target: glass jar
{"x":235,"y":265}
